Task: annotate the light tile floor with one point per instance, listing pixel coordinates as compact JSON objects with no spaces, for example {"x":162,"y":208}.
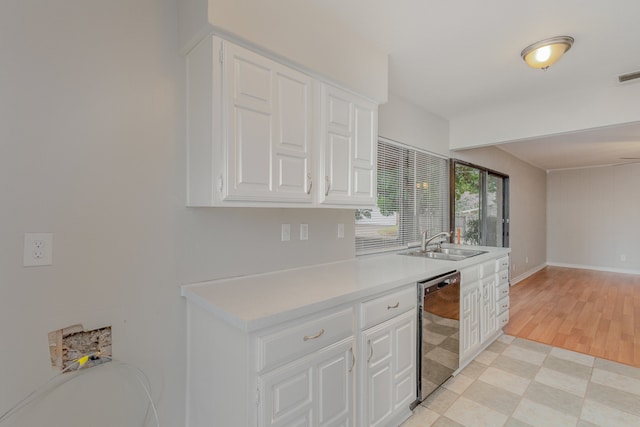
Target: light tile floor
{"x":516,"y":382}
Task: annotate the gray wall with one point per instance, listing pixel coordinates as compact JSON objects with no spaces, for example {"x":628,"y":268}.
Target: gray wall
{"x":593,"y":218}
{"x":92,"y":149}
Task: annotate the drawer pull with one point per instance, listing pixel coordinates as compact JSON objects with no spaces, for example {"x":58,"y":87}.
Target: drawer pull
{"x":310,"y":183}
{"x":313,"y":337}
{"x":396,"y":305}
{"x":370,"y":352}
{"x":353,"y":360}
{"x":328,"y":183}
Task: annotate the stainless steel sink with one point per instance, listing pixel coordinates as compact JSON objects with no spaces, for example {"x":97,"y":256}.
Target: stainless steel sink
{"x":449,"y":254}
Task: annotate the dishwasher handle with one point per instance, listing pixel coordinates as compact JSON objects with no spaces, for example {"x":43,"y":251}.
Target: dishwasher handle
{"x":433,"y":285}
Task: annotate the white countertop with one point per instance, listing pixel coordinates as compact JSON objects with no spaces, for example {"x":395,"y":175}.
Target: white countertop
{"x":259,"y":301}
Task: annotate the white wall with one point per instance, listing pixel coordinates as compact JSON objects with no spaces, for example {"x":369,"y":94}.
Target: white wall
{"x":612,"y":105}
{"x":593,"y":218}
{"x":404,"y":122}
{"x":92,"y":150}
{"x":314,"y":40}
{"x":527,"y":207}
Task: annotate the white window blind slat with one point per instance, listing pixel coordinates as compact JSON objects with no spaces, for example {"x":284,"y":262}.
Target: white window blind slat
{"x":413,"y":189}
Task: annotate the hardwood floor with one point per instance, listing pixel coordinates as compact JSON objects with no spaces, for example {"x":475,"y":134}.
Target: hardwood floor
{"x":591,"y":312}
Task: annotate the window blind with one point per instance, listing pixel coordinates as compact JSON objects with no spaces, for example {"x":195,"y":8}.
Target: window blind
{"x":413,"y":196}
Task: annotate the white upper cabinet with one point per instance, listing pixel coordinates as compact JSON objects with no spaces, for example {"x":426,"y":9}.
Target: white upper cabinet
{"x":254,"y":130}
{"x":249,"y":128}
{"x":348,"y":134}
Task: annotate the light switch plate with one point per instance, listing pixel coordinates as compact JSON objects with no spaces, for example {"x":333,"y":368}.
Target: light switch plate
{"x":38,"y":249}
{"x":304,"y":231}
{"x":286,"y":232}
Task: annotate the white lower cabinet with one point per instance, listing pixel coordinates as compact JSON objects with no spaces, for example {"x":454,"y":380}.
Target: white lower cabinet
{"x":484,"y":308}
{"x":469,"y":318}
{"x":328,"y":369}
{"x":316,"y":390}
{"x":388,"y":358}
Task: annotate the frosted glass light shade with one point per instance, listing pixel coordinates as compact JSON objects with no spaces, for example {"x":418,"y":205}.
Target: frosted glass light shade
{"x":545,"y":53}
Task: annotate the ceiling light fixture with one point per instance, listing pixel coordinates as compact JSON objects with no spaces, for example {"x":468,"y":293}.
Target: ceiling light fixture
{"x":545,"y":53}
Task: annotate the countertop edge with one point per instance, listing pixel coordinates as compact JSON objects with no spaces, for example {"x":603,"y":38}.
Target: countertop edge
{"x":254,"y":324}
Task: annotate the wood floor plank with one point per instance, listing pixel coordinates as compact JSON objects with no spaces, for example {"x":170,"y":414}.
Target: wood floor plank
{"x":587,"y":311}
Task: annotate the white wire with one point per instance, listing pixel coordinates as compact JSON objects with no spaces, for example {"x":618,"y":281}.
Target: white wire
{"x":35,"y":392}
{"x":144,"y":387}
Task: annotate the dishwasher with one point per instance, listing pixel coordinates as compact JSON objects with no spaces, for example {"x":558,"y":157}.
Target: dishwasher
{"x":438,"y":332}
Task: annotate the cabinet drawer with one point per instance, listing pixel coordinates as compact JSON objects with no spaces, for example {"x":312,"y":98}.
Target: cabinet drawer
{"x":503,"y":277}
{"x":503,"y":319}
{"x":487,"y":269}
{"x":502,"y":263}
{"x":502,"y":305}
{"x":312,"y":335}
{"x":503,"y":291}
{"x":469,"y":275}
{"x":388,"y":306}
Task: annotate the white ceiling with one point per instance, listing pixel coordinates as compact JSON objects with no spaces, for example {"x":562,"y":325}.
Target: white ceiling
{"x":453,"y":57}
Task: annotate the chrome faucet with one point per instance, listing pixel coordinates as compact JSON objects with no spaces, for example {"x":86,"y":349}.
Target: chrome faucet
{"x":426,"y":241}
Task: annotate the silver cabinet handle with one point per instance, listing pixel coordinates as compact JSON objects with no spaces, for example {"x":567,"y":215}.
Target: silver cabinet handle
{"x":396,"y":305}
{"x":328,"y":181}
{"x":313,"y":337}
{"x":353,"y":360}
{"x":310,"y":183}
{"x":370,"y":351}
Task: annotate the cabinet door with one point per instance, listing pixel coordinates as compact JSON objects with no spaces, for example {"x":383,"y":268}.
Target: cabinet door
{"x":488,"y":311}
{"x":316,"y":390}
{"x":267,"y":129}
{"x":348,"y":138}
{"x":389,"y":354}
{"x":469,"y":318}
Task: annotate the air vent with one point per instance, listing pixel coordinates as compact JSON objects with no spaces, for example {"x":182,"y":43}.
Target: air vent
{"x":630,"y":76}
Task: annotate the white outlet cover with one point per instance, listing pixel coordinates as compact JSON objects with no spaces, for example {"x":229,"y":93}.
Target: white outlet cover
{"x":304,"y":231}
{"x":38,"y":249}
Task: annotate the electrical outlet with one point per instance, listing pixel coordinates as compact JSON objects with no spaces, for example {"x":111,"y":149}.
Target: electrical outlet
{"x":286,"y":232}
{"x":304,"y":231}
{"x":340,"y":231}
{"x":38,"y":249}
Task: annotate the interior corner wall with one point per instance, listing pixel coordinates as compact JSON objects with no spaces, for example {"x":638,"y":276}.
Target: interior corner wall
{"x":404,"y":122}
{"x":527,"y":207}
{"x":593,"y":218}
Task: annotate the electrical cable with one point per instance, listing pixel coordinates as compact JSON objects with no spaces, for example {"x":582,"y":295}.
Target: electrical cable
{"x":78,"y":364}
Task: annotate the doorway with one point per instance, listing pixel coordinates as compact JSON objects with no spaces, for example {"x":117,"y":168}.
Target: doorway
{"x":479,"y":205}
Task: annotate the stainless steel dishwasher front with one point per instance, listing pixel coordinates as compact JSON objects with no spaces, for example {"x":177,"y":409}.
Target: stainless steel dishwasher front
{"x":438,"y":331}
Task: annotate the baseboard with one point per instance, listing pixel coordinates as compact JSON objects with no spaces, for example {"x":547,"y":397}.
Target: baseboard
{"x":528,"y":273}
{"x":592,"y":267}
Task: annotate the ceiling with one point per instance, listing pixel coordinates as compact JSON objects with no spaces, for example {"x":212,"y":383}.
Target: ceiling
{"x":454,"y":57}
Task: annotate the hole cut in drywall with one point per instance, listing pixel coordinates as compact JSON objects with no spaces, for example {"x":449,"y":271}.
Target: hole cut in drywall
{"x":69,"y":345}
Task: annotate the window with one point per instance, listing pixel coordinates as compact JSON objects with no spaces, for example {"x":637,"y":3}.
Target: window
{"x":480,"y":211}
{"x":413,"y":196}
